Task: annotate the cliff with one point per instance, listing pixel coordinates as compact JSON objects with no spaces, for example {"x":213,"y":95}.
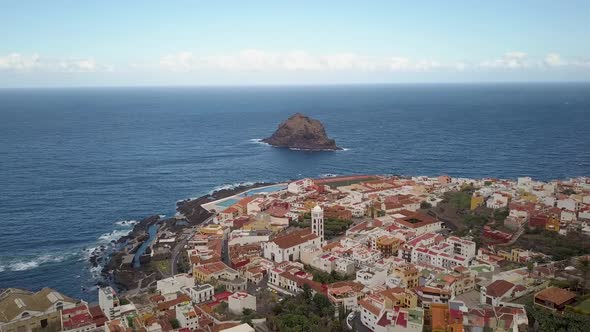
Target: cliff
{"x":301,"y":132}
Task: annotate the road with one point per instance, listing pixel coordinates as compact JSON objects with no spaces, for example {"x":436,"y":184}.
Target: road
{"x":175,"y":255}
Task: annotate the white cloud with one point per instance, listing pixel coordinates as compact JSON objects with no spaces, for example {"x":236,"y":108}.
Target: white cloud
{"x":510,"y":60}
{"x":17,"y":62}
{"x":259,"y":60}
{"x":554,"y":60}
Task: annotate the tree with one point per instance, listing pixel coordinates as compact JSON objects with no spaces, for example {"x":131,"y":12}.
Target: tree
{"x":530,"y":266}
{"x":248,"y":314}
{"x":307,"y":293}
{"x":584,"y":266}
{"x":221,"y":308}
{"x":425,"y":205}
{"x":175,"y":324}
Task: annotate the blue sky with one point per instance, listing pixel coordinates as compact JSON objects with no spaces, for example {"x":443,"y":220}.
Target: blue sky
{"x":102,"y":43}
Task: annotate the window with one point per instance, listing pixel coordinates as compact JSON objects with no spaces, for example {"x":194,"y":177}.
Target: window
{"x":44,"y":323}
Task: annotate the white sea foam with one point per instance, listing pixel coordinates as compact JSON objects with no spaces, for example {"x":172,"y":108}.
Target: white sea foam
{"x":113,"y":236}
{"x":317,"y":150}
{"x":127,"y":223}
{"x":25,"y":264}
{"x":230,"y":186}
{"x":258,"y":141}
{"x":328,"y":175}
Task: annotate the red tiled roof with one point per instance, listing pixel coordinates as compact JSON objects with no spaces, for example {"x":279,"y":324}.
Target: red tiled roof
{"x":555,"y":295}
{"x":498,"y":288}
{"x":370,"y":307}
{"x":294,"y":238}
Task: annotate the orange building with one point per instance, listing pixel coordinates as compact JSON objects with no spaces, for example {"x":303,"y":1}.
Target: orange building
{"x":442,"y":319}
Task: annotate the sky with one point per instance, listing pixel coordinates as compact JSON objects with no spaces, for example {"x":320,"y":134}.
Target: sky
{"x":137,"y":43}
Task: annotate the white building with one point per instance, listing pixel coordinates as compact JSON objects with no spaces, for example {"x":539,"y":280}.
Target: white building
{"x":109,"y":302}
{"x":317,"y":222}
{"x":243,"y":237}
{"x":187,"y":316}
{"x":240,"y":328}
{"x":170,"y":286}
{"x":568,"y":204}
{"x":497,"y":201}
{"x":201,"y":293}
{"x":371,"y":277}
{"x":255,"y":206}
{"x":496,"y":292}
{"x":288,"y":247}
{"x":239,"y":301}
{"x":299,"y":186}
{"x":462,"y":247}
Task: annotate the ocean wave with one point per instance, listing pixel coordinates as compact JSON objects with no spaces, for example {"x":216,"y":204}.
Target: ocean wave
{"x":24,"y":264}
{"x":114,"y":235}
{"x":258,"y":141}
{"x":230,"y":186}
{"x":127,"y":223}
{"x":318,"y":150}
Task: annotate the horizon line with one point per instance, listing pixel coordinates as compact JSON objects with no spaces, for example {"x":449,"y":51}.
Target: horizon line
{"x":287,"y":85}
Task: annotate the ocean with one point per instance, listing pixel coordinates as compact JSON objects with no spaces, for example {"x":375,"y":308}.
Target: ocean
{"x":74,"y":163}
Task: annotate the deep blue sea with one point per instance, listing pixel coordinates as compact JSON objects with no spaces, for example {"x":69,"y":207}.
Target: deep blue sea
{"x":74,"y":162}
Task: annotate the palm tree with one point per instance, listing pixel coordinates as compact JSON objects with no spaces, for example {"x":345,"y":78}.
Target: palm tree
{"x":584,"y":266}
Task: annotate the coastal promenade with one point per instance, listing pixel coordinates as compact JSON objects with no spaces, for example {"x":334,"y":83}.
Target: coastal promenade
{"x":215,"y":205}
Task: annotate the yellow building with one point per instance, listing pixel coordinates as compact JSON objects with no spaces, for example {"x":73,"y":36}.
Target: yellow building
{"x":517,"y":254}
{"x":552,"y":223}
{"x":526,"y":196}
{"x":408,"y":274}
{"x":399,"y":297}
{"x":388,"y":245}
{"x":211,"y":229}
{"x":477,"y":200}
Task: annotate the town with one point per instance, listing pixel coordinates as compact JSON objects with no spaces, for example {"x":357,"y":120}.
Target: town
{"x":351,"y":253}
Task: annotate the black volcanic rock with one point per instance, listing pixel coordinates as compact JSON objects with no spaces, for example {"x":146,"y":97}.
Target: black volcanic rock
{"x":302,"y":132}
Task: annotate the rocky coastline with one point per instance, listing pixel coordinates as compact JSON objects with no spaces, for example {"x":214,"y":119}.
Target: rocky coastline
{"x":119,"y":270}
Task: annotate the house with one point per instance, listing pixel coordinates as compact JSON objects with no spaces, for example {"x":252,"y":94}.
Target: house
{"x":22,"y":310}
{"x":371,"y":276}
{"x":429,"y":295}
{"x":554,"y":298}
{"x":287,"y":247}
{"x":345,"y":294}
{"x":477,"y":200}
{"x":77,"y":319}
{"x":201,"y":293}
{"x":109,"y":302}
{"x":239,"y":301}
{"x":496,"y":292}
{"x":419,"y":222}
{"x":443,"y":318}
{"x":407,"y":274}
{"x":216,"y":270}
{"x":239,"y":328}
{"x":401,"y":320}
{"x":498,"y":201}
{"x":187,"y":316}
{"x":299,"y":186}
{"x":170,"y":286}
{"x":492,"y":318}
